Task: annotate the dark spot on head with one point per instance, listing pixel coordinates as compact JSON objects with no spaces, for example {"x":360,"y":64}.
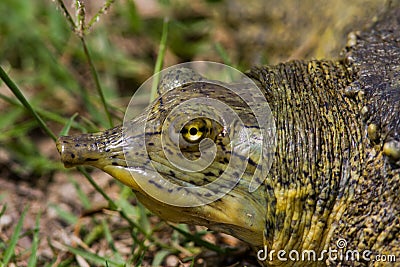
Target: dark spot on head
{"x":251,"y":162}
{"x":156,"y":184}
{"x":72,"y":155}
{"x":169,"y":151}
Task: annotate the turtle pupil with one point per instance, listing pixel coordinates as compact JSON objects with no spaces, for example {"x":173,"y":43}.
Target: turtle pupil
{"x":193,"y":131}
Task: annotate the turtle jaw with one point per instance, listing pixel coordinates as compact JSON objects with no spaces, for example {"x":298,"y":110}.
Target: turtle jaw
{"x":237,"y":213}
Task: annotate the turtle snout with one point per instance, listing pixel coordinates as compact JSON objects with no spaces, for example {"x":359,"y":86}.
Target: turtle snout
{"x":77,"y":150}
{"x":66,"y":147}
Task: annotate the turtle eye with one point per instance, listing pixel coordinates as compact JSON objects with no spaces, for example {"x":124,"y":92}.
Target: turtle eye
{"x":195,"y":130}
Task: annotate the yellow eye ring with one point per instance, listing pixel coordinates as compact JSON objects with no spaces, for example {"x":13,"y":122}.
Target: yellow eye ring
{"x":195,"y":130}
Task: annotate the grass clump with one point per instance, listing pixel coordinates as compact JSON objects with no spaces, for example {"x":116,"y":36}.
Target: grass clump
{"x":68,"y":74}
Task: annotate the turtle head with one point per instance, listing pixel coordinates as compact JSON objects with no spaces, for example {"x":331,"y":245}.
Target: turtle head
{"x":194,"y":155}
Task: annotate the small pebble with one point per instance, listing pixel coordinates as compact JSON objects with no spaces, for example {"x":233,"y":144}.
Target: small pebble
{"x":5,"y":221}
{"x":172,"y":261}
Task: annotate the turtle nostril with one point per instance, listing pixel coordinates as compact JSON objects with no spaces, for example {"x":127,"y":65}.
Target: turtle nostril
{"x":59,"y":144}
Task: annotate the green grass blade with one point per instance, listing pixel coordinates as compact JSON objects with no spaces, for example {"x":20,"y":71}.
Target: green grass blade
{"x":127,"y":208}
{"x":95,"y":234}
{"x":79,"y":30}
{"x":66,"y":14}
{"x":9,"y":119}
{"x":192,"y":263}
{"x":44,"y":113}
{"x":223,"y":54}
{"x":198,"y":240}
{"x":94,"y":258}
{"x":111,"y":203}
{"x":3,"y":210}
{"x":14,"y":238}
{"x":80,"y":15}
{"x":159,"y":257}
{"x":35,"y":244}
{"x":139,"y":262}
{"x":14,"y":88}
{"x":110,"y":240}
{"x":144,"y":219}
{"x":97,"y":81}
{"x":114,"y":206}
{"x":160,"y":59}
{"x":83,"y":198}
{"x":67,"y":126}
{"x":107,"y":234}
{"x":65,"y":215}
{"x":101,"y":11}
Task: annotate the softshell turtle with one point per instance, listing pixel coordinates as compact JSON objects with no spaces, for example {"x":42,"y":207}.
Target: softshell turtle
{"x":335,"y":175}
